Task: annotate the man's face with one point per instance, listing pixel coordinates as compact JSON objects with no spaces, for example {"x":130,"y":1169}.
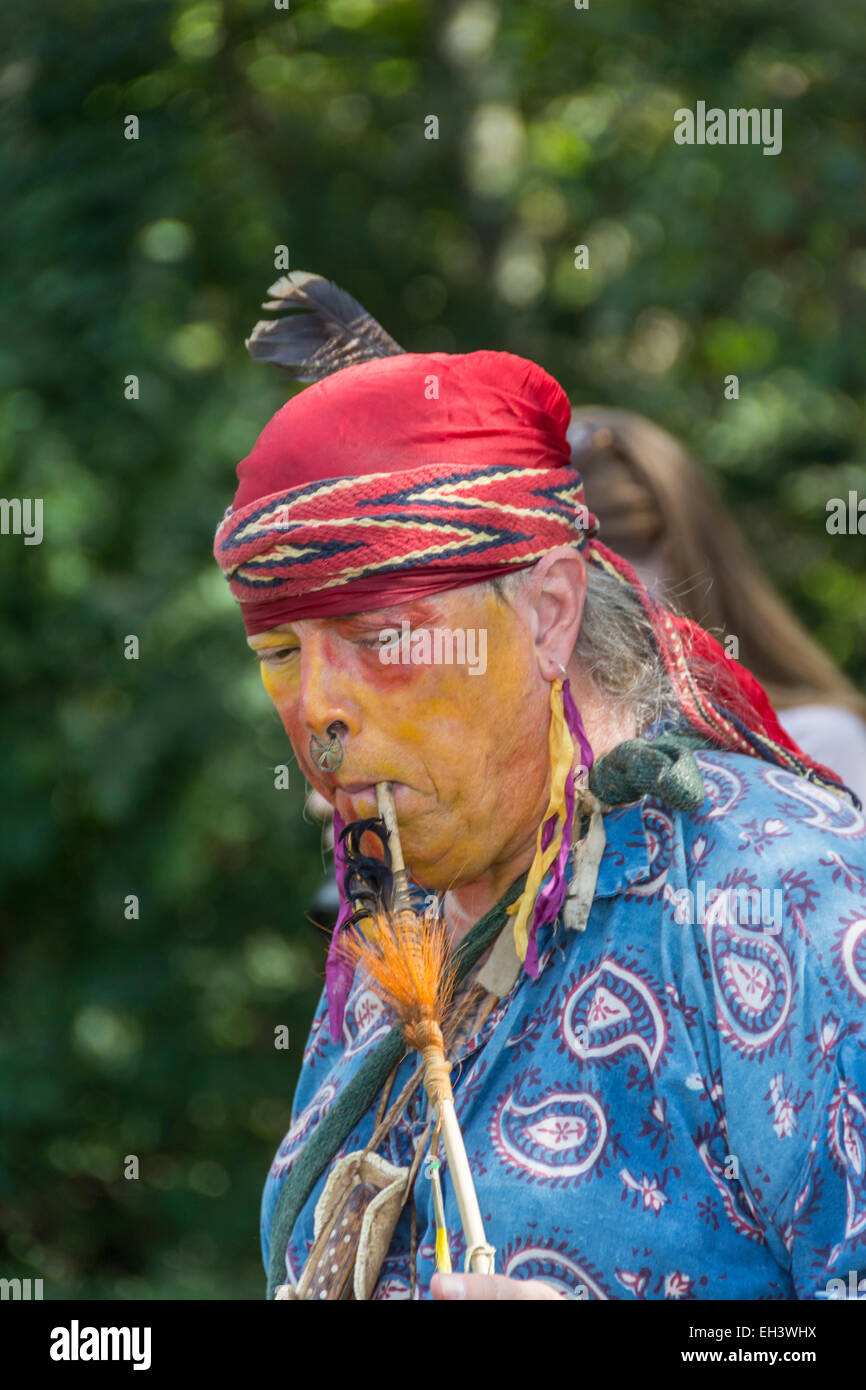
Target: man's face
{"x":466,"y":754}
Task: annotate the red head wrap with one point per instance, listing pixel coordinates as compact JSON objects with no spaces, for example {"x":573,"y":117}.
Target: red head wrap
{"x":399,"y":478}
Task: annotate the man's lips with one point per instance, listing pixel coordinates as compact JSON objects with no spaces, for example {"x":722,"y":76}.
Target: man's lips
{"x":356,"y":792}
{"x":362,"y":785}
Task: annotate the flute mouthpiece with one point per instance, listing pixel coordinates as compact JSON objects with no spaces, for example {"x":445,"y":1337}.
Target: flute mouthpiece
{"x":388,"y":812}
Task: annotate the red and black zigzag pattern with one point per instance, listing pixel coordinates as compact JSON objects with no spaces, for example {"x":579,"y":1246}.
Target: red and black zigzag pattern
{"x":332,"y":532}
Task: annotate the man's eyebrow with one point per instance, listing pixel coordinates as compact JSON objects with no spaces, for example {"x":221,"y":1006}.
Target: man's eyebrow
{"x":421,"y":608}
{"x":366,"y":615}
{"x":371,"y":619}
{"x":421,"y":611}
{"x":276,"y":639}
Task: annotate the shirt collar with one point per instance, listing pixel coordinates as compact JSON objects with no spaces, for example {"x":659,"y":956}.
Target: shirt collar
{"x":625,"y":862}
{"x":626,"y":858}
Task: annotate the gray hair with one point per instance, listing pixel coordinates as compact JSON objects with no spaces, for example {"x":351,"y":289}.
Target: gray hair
{"x":616,"y":648}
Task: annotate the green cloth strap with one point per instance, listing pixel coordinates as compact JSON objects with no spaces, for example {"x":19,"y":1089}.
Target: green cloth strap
{"x":664,"y":768}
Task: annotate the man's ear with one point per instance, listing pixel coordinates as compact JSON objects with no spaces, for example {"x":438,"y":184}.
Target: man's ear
{"x":556,"y":594}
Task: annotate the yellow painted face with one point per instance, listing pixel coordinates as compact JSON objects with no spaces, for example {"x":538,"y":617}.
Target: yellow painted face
{"x":463,"y":742}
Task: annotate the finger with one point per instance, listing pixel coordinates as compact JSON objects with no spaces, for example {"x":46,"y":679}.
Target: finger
{"x":489,"y":1287}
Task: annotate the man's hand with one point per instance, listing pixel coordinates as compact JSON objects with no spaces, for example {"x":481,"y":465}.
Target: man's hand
{"x":445,"y":1287}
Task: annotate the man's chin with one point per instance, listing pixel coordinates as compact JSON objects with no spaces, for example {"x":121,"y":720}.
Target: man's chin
{"x":436,"y":873}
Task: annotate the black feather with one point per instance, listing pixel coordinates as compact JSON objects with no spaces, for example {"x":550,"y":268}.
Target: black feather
{"x":331,"y":331}
{"x":367,"y":882}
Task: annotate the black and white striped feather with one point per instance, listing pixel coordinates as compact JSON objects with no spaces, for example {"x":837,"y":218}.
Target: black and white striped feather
{"x":325,"y":330}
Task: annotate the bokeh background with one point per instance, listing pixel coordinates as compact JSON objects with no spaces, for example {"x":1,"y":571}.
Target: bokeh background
{"x":304,"y":127}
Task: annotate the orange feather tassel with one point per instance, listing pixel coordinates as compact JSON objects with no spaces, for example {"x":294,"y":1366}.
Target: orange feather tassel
{"x":408,"y":962}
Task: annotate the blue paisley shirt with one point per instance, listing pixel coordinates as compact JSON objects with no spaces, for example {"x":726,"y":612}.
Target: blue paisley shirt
{"x":676,"y":1107}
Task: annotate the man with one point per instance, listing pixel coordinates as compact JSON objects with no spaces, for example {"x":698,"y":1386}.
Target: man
{"x":664,"y":1096}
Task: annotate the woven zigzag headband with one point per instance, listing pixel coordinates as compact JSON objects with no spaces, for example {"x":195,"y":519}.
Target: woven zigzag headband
{"x":329,"y":533}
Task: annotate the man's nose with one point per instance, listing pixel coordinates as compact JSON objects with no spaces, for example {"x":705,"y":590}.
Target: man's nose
{"x":326,"y":704}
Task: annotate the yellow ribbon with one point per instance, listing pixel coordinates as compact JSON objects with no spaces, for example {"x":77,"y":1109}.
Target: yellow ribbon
{"x":443,"y":1255}
{"x":561,"y":746}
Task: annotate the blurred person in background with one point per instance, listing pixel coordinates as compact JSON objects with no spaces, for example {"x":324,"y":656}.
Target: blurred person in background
{"x":661,"y":514}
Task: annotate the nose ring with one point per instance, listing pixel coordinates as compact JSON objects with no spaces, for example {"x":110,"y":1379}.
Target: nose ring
{"x":328,"y":756}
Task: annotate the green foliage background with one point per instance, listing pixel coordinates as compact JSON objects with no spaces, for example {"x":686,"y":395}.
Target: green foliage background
{"x":305,"y":127}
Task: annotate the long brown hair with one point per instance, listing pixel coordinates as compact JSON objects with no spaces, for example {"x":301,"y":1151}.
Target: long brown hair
{"x":649,"y":494}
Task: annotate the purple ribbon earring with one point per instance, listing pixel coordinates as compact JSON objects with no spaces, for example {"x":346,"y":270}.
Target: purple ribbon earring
{"x":549,"y":902}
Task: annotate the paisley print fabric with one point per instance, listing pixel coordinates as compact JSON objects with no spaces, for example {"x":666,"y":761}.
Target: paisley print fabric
{"x":676,"y":1107}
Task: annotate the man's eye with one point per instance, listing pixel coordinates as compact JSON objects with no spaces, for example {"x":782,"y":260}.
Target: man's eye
{"x":277,"y":655}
